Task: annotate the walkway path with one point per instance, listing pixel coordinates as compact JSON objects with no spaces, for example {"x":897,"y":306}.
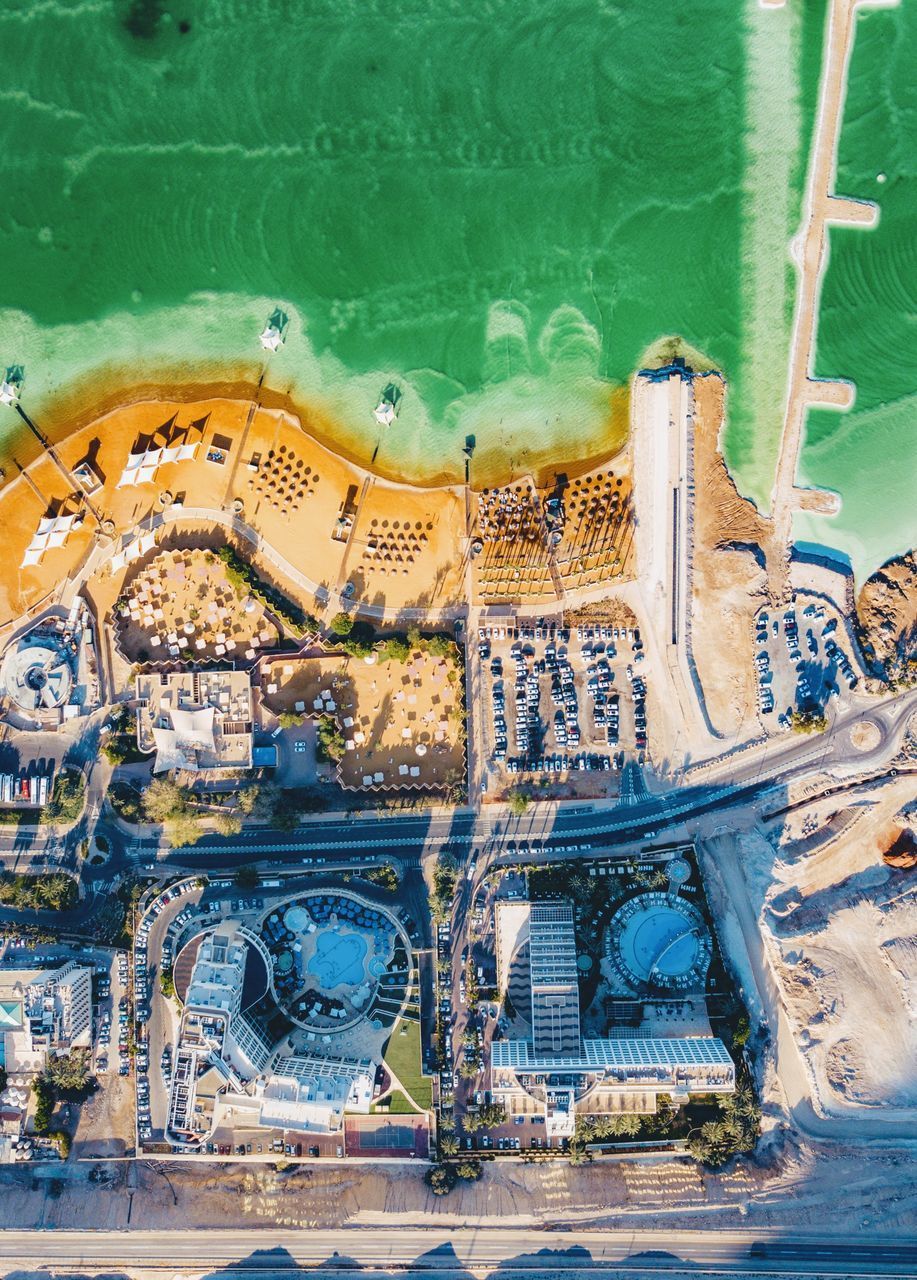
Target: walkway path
{"x":810,"y":253}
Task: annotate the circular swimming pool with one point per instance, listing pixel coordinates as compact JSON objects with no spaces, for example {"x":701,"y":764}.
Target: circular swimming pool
{"x":660,"y":941}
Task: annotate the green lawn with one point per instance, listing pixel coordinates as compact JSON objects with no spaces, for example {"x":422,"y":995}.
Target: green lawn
{"x":394,"y":1104}
{"x":402,"y":1054}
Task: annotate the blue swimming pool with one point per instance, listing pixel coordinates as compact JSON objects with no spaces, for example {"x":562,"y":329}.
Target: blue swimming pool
{"x":660,"y":940}
{"x":338,"y":959}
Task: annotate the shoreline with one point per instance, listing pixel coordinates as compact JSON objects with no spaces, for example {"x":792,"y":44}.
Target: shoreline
{"x":84,"y":404}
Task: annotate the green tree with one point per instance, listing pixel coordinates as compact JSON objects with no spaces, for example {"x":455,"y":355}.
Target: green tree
{"x":183,"y":829}
{"x":290,"y":719}
{"x":518,"y":802}
{"x":448,"y":1145}
{"x":62,"y":1140}
{"x":329,"y":738}
{"x":44,"y":1104}
{"x":469,"y":1170}
{"x":808,"y":721}
{"x":342,"y":624}
{"x":441,"y":647}
{"x":67,"y":796}
{"x":742,"y":1032}
{"x":115,"y":751}
{"x":167,"y":983}
{"x":228,"y":824}
{"x":68,"y":1076}
{"x":487,"y":1117}
{"x":386,"y":877}
{"x":394,"y":649}
{"x":445,"y":873}
{"x":164,"y":799}
{"x":440,"y":1178}
{"x":247,"y":877}
{"x":248,"y":800}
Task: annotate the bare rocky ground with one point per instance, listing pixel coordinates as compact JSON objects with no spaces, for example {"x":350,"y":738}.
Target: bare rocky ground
{"x":839,"y":930}
{"x":887,"y":613}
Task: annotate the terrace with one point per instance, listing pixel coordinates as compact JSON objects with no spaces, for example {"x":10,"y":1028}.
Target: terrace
{"x":400,"y":722}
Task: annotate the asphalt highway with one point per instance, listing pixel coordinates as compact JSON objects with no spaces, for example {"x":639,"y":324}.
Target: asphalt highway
{"x":449,"y":1251}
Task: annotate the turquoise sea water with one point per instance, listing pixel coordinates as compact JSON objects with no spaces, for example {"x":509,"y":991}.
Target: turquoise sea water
{"x":500,"y":207}
{"x":868,"y":321}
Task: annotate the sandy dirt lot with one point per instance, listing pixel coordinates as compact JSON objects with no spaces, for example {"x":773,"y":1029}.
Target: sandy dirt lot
{"x":729,"y":577}
{"x":385,"y":711}
{"x":792,"y":1187}
{"x":289,"y":487}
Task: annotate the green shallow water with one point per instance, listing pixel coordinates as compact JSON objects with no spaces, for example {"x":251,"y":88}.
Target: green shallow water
{"x":499,"y":206}
{"x":868,"y":321}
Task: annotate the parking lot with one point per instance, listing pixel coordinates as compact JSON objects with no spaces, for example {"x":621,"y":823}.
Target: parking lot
{"x":564,"y":707}
{"x":802,"y":662}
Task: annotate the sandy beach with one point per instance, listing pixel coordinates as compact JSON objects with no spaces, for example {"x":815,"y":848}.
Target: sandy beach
{"x":401,"y":545}
{"x":256,"y":463}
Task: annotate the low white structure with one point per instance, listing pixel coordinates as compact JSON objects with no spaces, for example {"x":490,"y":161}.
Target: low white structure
{"x":11,"y":385}
{"x":36,"y":676}
{"x":52,"y":531}
{"x":271,"y":338}
{"x":311,"y":1094}
{"x":196,"y":720}
{"x":142,"y":467}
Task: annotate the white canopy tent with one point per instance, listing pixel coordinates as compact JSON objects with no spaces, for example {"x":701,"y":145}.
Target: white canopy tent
{"x":52,"y":531}
{"x":142,"y":467}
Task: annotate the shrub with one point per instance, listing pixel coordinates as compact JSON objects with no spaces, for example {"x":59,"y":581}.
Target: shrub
{"x":329,"y":738}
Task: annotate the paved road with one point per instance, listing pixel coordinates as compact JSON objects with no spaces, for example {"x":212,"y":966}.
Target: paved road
{"x":447,"y":1251}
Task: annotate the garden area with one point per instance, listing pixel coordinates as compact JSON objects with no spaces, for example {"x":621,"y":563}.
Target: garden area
{"x":51,"y":891}
{"x":402,"y":1057}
